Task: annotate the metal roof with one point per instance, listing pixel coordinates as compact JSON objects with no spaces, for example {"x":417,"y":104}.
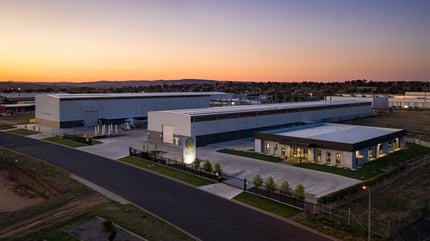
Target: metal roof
{"x":17,"y":105}
{"x":20,"y":95}
{"x":128,"y":95}
{"x":261,"y":107}
{"x":350,"y":134}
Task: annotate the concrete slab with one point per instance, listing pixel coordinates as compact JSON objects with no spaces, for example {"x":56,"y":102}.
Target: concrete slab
{"x":222,"y":190}
{"x":117,"y":147}
{"x":316,"y":184}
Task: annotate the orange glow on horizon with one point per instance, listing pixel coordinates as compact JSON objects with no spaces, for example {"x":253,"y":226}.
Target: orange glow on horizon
{"x":282,"y":41}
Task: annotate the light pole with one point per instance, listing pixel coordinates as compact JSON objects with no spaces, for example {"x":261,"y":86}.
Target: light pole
{"x":364,"y":187}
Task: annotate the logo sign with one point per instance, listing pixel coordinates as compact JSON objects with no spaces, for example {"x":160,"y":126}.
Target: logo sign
{"x":189,"y":150}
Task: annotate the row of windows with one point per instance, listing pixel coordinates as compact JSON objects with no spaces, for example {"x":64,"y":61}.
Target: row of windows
{"x":270,"y":112}
{"x":338,"y":157}
{"x":302,"y":153}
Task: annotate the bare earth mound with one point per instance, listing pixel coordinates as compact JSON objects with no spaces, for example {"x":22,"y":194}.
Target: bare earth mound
{"x":16,"y":196}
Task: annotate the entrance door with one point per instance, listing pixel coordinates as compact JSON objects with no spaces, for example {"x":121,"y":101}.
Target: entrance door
{"x":168,"y":134}
{"x":91,"y":118}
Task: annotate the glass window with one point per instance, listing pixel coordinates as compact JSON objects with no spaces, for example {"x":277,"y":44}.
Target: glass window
{"x":370,"y":153}
{"x":300,"y":152}
{"x":338,"y":158}
{"x":328,"y":157}
{"x":267,"y":147}
{"x":381,"y":149}
{"x":318,"y":156}
{"x":283,"y":150}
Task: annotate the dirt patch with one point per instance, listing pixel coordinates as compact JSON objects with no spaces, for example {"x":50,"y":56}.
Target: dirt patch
{"x":92,"y":229}
{"x":414,"y":122}
{"x":20,"y":189}
{"x":15,"y":196}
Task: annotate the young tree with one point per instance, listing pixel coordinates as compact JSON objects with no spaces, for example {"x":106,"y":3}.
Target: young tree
{"x":196,"y":164}
{"x":270,"y":184}
{"x":257,"y":180}
{"x":299,"y":192}
{"x":207,"y":166}
{"x":285,"y":187}
{"x":217,"y":169}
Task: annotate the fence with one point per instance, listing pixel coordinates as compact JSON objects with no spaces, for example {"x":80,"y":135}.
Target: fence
{"x":158,"y":158}
{"x":383,"y":228}
{"x":285,"y":198}
{"x":85,"y":140}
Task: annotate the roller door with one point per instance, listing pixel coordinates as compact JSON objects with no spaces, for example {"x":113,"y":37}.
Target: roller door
{"x":91,"y":118}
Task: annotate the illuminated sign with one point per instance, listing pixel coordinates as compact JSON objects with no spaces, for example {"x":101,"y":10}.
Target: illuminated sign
{"x":189,"y":150}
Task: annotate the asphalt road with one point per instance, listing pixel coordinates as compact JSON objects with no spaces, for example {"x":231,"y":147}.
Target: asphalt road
{"x":206,"y":216}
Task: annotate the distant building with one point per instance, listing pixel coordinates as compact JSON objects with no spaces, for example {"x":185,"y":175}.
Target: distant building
{"x":15,"y":97}
{"x":218,"y":124}
{"x":378,"y":101}
{"x":248,"y":99}
{"x":411,"y":100}
{"x":77,"y":110}
{"x":16,"y":108}
{"x":339,"y":145}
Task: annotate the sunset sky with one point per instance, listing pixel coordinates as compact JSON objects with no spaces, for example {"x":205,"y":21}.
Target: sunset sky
{"x":244,"y":40}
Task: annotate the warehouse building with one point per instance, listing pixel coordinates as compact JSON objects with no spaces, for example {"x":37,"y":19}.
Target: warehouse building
{"x":77,"y":110}
{"x":411,"y":100}
{"x":16,"y":108}
{"x":217,"y":124}
{"x":339,"y":145}
{"x":378,"y":101}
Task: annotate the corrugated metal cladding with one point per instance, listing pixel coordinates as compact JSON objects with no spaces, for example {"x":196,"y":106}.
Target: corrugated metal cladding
{"x":74,"y":110}
{"x":217,"y":124}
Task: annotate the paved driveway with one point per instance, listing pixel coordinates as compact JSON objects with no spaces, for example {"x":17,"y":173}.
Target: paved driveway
{"x":316,"y":183}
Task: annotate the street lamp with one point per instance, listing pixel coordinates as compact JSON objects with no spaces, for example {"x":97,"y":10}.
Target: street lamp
{"x":364,"y":187}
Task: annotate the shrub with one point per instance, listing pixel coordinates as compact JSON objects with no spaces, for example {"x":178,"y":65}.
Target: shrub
{"x":257,"y":180}
{"x":196,"y":164}
{"x":217,"y":169}
{"x":270,"y":184}
{"x":285,"y":187}
{"x":207,"y":166}
{"x":299,"y":192}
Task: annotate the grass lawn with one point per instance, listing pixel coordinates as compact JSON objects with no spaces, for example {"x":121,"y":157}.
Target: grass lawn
{"x":375,"y":167}
{"x":23,"y":132}
{"x":253,"y":155}
{"x":5,"y":127}
{"x":58,"y":235}
{"x":267,"y":205}
{"x":167,"y":171}
{"x":65,"y":142}
{"x":19,"y":118}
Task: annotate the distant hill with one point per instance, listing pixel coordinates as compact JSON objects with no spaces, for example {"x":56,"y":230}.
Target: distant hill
{"x":106,"y":83}
{"x":103,"y":83}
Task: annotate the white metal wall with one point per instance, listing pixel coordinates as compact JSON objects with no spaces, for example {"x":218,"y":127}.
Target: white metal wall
{"x":125,"y":108}
{"x":180,"y":123}
{"x":47,"y":108}
{"x":219,"y":126}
